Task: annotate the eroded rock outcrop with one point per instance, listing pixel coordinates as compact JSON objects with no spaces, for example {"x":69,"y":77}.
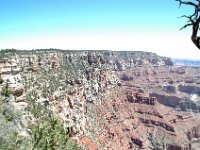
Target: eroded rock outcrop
{"x":190,"y":89}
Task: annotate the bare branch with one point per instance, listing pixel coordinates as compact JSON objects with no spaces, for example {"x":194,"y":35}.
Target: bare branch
{"x":193,"y":20}
{"x":187,"y":3}
{"x":185,"y":26}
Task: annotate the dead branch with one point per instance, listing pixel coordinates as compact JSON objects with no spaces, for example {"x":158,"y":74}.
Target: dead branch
{"x":193,"y":20}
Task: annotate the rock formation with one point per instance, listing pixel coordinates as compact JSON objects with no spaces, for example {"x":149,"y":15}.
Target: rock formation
{"x":109,"y":99}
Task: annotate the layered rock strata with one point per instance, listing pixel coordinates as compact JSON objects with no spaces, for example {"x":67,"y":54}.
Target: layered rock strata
{"x":109,"y":99}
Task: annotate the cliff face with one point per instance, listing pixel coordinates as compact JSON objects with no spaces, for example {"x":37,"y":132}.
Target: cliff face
{"x":108,"y":99}
{"x":119,"y":60}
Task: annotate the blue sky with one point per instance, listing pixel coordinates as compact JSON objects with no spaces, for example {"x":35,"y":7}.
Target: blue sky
{"x":96,"y":24}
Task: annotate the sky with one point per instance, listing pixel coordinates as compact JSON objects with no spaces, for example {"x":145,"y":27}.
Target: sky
{"x":133,"y":25}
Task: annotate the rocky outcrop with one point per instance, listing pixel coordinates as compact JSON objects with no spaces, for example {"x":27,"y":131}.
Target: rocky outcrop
{"x":158,"y":123}
{"x":169,"y":89}
{"x":11,"y":79}
{"x":193,"y":133}
{"x":168,"y":100}
{"x":138,"y":98}
{"x":180,"y":71}
{"x":190,"y":89}
{"x":136,"y":141}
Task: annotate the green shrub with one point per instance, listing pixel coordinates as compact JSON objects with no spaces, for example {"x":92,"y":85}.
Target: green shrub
{"x":7,"y":135}
{"x":6,"y":92}
{"x":7,"y":127}
{"x":48,"y":134}
{"x":9,"y":114}
{"x":1,"y":80}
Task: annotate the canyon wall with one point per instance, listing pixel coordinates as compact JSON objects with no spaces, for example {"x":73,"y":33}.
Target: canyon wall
{"x":108,"y":98}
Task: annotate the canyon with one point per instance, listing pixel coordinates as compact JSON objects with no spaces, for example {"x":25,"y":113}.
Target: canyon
{"x":106,"y":99}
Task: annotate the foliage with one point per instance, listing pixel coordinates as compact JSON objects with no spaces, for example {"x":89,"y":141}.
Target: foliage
{"x":6,"y":92}
{"x":1,"y":80}
{"x":8,"y":116}
{"x":6,"y":53}
{"x":7,"y":134}
{"x":9,"y":113}
{"x":48,"y":134}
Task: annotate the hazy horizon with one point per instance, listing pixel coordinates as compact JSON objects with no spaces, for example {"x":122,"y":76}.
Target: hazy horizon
{"x":88,"y":25}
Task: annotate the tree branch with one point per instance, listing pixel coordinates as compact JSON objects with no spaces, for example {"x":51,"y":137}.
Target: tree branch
{"x":185,"y":26}
{"x":187,"y":3}
{"x":193,"y":20}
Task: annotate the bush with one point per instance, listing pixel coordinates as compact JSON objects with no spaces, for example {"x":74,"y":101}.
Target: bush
{"x":7,"y":134}
{"x":49,"y":133}
{"x":1,"y":80}
{"x":7,"y":127}
{"x":6,"y":92}
{"x":46,"y":133}
{"x":9,"y":113}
